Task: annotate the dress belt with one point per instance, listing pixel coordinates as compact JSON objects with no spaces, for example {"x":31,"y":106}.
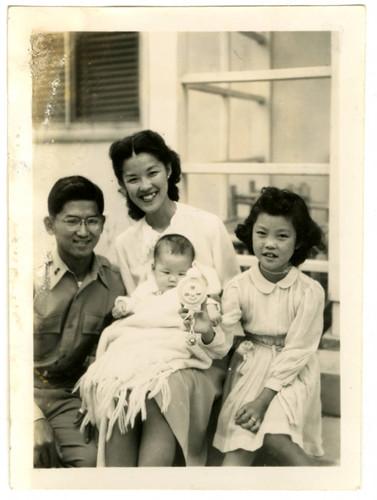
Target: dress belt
{"x":267,"y":340}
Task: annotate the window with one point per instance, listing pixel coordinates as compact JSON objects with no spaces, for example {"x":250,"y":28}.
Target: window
{"x":258,"y":114}
{"x":85,"y":78}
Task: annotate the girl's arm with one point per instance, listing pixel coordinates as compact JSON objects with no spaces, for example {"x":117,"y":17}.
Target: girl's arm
{"x":231,"y":313}
{"x":302,"y":339}
{"x":231,"y":316}
{"x":209,"y":337}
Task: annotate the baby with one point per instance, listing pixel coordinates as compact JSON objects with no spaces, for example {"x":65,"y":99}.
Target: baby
{"x":173,"y":257}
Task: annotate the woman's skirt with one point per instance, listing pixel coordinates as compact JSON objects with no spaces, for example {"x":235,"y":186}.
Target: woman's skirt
{"x":193,"y":393}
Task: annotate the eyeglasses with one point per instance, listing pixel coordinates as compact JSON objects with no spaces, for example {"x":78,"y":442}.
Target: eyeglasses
{"x":93,"y":223}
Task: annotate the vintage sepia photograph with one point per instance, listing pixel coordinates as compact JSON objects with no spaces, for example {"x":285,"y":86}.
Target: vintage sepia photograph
{"x":181,"y":185}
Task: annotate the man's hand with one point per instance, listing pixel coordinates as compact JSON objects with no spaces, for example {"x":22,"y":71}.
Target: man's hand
{"x":47,"y":452}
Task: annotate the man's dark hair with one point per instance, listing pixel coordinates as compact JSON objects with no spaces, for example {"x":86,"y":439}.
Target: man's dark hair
{"x":73,"y":188}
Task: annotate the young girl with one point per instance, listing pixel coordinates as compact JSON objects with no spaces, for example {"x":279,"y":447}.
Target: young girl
{"x":137,"y":354}
{"x":271,"y":394}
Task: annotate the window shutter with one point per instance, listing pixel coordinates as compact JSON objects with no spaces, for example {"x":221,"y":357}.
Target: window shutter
{"x":107,"y":77}
{"x":48,"y":77}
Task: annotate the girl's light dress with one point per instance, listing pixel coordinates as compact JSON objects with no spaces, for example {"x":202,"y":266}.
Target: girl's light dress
{"x":283,"y":324}
{"x":193,"y":391}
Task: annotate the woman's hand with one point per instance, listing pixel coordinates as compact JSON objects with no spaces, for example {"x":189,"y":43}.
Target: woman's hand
{"x":106,"y":339}
{"x":250,"y":415}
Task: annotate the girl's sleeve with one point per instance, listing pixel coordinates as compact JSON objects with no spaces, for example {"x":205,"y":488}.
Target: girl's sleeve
{"x":224,"y":332}
{"x":224,"y":255}
{"x":302,"y":339}
{"x":216,"y":349}
{"x":124,"y":268}
{"x":231,"y":313}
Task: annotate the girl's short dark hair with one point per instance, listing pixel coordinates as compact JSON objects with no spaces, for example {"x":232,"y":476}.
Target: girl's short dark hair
{"x":152,"y":143}
{"x":274,"y":201}
{"x":73,"y":188}
{"x":176,"y":243}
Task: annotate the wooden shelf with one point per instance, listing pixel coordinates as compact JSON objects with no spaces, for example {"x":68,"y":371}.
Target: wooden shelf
{"x":265,"y":75}
{"x":256,"y":168}
{"x":211,"y":89}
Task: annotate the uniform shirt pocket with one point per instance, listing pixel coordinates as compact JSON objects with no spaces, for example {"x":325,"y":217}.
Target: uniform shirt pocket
{"x":46,"y":334}
{"x":92,"y":324}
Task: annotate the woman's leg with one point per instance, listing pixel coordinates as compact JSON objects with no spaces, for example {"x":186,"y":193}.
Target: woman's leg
{"x":122,"y":449}
{"x":240,"y":458}
{"x":158,"y":444}
{"x":286,"y":451}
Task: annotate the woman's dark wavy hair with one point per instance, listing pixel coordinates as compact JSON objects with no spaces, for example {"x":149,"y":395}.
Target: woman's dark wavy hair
{"x":274,"y":201}
{"x":152,"y":143}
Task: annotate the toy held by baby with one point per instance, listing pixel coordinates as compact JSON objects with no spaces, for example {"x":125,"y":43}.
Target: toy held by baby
{"x":192,"y":293}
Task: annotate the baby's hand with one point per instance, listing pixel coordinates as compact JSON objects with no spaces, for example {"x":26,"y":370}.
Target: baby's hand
{"x":119,"y":310}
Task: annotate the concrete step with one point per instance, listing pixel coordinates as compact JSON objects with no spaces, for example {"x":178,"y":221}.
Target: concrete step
{"x":330,"y":341}
{"x":331,"y":442}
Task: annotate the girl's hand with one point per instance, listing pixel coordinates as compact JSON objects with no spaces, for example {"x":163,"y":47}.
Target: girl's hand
{"x":202,"y":323}
{"x":250,"y":416}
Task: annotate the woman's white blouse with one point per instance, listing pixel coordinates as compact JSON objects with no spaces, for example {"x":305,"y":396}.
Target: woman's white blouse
{"x":207,"y":233}
{"x":292,"y":306}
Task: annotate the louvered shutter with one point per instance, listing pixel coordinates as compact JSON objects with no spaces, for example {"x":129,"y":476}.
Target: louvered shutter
{"x":107,"y":77}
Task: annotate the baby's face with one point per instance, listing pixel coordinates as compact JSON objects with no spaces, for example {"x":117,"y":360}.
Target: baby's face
{"x":169,"y":269}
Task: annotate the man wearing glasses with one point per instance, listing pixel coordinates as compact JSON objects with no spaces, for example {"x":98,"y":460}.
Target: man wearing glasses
{"x":74,"y":292}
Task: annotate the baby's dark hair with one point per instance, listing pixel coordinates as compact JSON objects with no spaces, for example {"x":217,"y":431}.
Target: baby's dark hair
{"x":73,"y":188}
{"x":176,"y":244}
{"x":152,"y":143}
{"x":274,"y":201}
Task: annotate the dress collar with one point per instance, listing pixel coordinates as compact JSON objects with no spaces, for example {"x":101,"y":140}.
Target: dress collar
{"x":267,"y":287}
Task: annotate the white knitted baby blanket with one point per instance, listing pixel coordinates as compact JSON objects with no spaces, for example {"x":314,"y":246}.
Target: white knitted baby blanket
{"x":151,"y":345}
